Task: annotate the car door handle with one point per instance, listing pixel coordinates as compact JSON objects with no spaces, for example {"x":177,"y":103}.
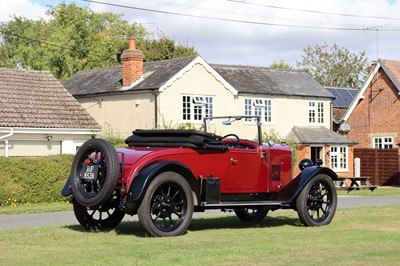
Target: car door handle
{"x":234,"y":162}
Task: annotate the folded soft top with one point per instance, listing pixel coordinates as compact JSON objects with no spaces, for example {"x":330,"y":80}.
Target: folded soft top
{"x":175,"y":138}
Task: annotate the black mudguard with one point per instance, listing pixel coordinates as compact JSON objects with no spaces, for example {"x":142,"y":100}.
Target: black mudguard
{"x":291,"y":191}
{"x":66,"y":191}
{"x":143,"y":178}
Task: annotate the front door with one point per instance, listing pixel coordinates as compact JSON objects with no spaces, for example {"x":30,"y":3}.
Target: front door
{"x":317,"y":152}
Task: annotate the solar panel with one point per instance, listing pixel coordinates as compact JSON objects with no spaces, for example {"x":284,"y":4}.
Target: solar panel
{"x":344,"y":96}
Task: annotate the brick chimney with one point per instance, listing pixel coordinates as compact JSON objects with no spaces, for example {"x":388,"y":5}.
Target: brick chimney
{"x":132,"y":64}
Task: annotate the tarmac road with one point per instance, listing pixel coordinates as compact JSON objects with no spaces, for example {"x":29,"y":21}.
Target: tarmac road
{"x":68,"y":218}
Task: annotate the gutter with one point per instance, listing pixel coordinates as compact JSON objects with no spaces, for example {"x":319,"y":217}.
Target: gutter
{"x":6,"y":141}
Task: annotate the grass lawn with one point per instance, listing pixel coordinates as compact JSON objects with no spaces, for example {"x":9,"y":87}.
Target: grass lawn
{"x":358,"y":236}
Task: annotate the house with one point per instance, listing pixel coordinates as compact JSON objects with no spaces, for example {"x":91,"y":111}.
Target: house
{"x":39,"y":117}
{"x":373,"y":119}
{"x":185,"y":90}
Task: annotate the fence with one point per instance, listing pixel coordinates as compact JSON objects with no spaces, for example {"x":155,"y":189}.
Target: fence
{"x":381,"y":165}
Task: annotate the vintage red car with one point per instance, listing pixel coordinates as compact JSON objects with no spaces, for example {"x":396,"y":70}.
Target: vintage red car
{"x":164,"y":176}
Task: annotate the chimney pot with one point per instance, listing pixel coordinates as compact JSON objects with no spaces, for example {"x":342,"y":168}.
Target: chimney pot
{"x":132,"y":43}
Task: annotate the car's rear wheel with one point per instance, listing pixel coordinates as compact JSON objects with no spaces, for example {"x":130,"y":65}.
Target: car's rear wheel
{"x":103,"y":219}
{"x":316,"y":204}
{"x":94,"y":173}
{"x":252,"y":214}
{"x":167,"y":206}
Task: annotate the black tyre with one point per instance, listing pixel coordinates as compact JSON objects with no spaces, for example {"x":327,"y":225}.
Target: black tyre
{"x":167,"y":206}
{"x":98,"y":219}
{"x":316,"y":204}
{"x":252,"y":214}
{"x":94,"y":173}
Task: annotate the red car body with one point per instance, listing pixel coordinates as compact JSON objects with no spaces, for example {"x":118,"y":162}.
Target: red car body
{"x":166,"y":175}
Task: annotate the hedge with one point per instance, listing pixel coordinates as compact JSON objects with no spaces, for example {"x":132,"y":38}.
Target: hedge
{"x":25,"y":180}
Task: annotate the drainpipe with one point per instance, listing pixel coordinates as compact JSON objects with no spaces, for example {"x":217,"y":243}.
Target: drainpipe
{"x":6,"y":141}
{"x":155,"y":109}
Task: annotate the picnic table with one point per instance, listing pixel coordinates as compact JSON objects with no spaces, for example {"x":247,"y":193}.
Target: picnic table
{"x":354,"y":183}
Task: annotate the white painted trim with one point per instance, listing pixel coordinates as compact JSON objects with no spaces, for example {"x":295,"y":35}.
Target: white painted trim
{"x":66,"y":131}
{"x":360,"y":94}
{"x":199,"y":60}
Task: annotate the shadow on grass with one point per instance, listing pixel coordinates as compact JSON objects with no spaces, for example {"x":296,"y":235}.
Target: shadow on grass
{"x":204,"y":223}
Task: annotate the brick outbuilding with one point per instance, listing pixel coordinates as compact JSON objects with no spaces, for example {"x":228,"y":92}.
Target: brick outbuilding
{"x":374,"y":120}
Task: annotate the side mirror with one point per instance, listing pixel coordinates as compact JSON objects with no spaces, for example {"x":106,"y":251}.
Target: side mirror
{"x":226,"y":123}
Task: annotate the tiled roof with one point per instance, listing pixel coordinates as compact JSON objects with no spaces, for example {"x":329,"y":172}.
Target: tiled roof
{"x":316,"y":135}
{"x":35,"y":99}
{"x":247,"y":79}
{"x":343,"y":96}
{"x":243,"y":78}
{"x":108,"y":80}
{"x":392,"y":69}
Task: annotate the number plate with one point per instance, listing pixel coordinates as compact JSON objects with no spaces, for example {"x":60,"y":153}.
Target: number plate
{"x":89,"y":172}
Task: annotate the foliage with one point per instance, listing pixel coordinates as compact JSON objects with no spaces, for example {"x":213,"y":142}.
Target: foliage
{"x":114,"y":137}
{"x":75,"y":38}
{"x":280,"y":64}
{"x":358,"y":236}
{"x":163,"y":49}
{"x":26,"y":180}
{"x":332,"y":65}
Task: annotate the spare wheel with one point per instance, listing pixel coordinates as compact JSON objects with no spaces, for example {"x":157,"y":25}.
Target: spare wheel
{"x":94,"y":173}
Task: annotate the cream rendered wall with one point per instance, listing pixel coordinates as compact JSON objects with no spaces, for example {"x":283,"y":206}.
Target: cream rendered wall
{"x":196,"y":81}
{"x":121,"y":114}
{"x":38,"y":145}
{"x":289,"y":112}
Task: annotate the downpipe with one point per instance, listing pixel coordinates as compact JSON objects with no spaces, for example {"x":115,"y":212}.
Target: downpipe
{"x":6,"y":141}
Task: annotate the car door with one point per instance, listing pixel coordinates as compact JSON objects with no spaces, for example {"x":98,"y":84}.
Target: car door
{"x":243,"y":171}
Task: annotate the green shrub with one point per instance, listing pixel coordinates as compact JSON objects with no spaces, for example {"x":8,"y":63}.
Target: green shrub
{"x":25,"y":180}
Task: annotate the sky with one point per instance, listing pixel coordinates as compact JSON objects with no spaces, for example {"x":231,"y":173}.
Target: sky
{"x":253,"y":32}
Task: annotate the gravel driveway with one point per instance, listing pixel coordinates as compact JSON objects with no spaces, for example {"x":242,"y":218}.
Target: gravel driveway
{"x":68,"y":218}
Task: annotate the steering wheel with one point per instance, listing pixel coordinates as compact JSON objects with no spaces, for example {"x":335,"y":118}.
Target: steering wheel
{"x":236,"y":144}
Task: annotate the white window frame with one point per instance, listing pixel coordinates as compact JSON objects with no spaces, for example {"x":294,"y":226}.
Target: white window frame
{"x":316,"y":114}
{"x":196,"y":107}
{"x":258,"y":107}
{"x":385,"y":142}
{"x":339,"y":158}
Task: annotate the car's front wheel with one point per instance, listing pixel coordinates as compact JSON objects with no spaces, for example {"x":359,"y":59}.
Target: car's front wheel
{"x":252,"y":214}
{"x":316,"y":204}
{"x":167,"y":206}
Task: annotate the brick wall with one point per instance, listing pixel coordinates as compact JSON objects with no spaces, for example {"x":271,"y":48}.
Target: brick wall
{"x":378,"y":114}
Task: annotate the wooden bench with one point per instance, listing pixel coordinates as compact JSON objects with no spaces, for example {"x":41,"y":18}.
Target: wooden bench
{"x":354,"y":183}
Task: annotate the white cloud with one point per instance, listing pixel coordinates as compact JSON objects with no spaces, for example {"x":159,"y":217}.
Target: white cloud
{"x":250,"y":44}
{"x":25,"y":8}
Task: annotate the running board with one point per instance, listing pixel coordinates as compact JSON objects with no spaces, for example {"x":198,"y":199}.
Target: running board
{"x":246,"y":204}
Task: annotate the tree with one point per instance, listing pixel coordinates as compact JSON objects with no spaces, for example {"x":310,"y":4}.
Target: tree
{"x":281,"y":64}
{"x":164,"y":48}
{"x":74,"y":38}
{"x":332,"y":65}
